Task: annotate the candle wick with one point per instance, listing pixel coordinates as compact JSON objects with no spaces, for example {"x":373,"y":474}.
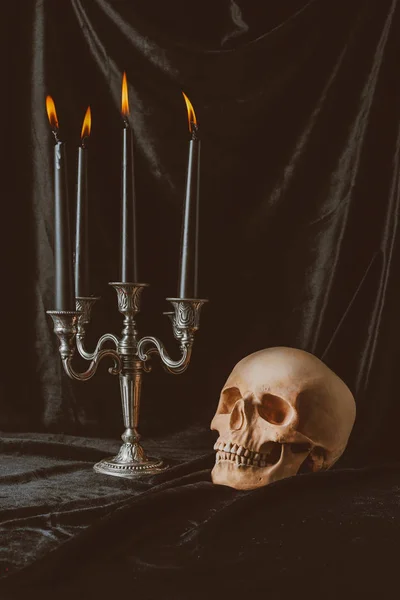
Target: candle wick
{"x":126,"y":122}
{"x":56,"y":137}
{"x":194,"y":131}
{"x":84,"y":141}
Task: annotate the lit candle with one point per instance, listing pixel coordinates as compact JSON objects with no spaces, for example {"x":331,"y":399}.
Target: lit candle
{"x":188,"y":272}
{"x":64,"y":299}
{"x":129,"y":271}
{"x":82,"y":223}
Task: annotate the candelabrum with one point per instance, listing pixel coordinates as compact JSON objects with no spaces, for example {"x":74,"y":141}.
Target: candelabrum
{"x":130,"y":355}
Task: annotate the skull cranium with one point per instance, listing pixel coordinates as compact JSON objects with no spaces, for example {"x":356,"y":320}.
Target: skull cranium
{"x":280,"y":409}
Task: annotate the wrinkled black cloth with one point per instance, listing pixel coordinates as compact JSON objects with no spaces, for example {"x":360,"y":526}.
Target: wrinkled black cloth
{"x":50,"y":492}
{"x":67,"y":531}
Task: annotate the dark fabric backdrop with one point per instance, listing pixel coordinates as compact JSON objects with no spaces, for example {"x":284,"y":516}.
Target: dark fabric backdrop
{"x":298,"y":105}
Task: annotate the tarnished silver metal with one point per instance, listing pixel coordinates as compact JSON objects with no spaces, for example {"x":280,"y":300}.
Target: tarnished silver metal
{"x":185,"y":322}
{"x":186,"y":316}
{"x":84,"y":305}
{"x":131,"y":356}
{"x":129,"y":296}
{"x":65,"y":327}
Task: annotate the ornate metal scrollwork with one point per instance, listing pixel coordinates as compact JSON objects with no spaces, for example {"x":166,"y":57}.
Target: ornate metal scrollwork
{"x":129,"y":296}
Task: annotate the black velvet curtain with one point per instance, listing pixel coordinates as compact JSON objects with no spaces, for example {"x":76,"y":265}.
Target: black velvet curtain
{"x":298,"y":105}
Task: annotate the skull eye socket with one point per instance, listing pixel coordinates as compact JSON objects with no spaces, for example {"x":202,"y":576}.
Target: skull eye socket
{"x":273,"y":409}
{"x":228,"y":399}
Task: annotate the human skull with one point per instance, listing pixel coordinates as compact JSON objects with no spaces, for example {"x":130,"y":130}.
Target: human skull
{"x":280,"y":409}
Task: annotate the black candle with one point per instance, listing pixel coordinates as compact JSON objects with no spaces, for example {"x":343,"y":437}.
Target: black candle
{"x":129,"y":270}
{"x":188,"y":271}
{"x":82,"y":223}
{"x":64,"y":299}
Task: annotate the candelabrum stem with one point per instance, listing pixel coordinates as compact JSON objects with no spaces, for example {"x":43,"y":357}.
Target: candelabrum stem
{"x":131,"y":387}
{"x":131,"y":356}
{"x":131,"y":459}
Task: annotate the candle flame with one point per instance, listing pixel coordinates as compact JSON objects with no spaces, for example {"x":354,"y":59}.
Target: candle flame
{"x":191,"y":114}
{"x":124,"y":97}
{"x":87,"y":124}
{"x":51,"y":112}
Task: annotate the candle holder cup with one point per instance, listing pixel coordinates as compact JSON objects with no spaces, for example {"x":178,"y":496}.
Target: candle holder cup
{"x":131,"y":356}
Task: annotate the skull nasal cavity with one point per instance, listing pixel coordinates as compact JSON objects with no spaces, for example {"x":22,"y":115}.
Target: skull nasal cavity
{"x":273,"y":409}
{"x":237,"y":417}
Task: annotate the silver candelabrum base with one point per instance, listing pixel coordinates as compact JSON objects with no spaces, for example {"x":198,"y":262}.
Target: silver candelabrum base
{"x":131,"y":461}
{"x":130,"y":356}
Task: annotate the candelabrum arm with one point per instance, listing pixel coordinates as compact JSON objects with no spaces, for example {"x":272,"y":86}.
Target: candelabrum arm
{"x":185,"y":322}
{"x":151,"y":345}
{"x":65,"y":327}
{"x":108,"y":337}
{"x":84,"y":307}
{"x":67,"y":360}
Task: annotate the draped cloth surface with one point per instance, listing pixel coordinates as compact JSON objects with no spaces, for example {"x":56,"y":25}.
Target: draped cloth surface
{"x":298,"y":105}
{"x":69,"y":532}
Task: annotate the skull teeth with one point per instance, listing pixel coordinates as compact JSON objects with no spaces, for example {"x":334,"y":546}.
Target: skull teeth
{"x":238,"y":460}
{"x":239,"y":455}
